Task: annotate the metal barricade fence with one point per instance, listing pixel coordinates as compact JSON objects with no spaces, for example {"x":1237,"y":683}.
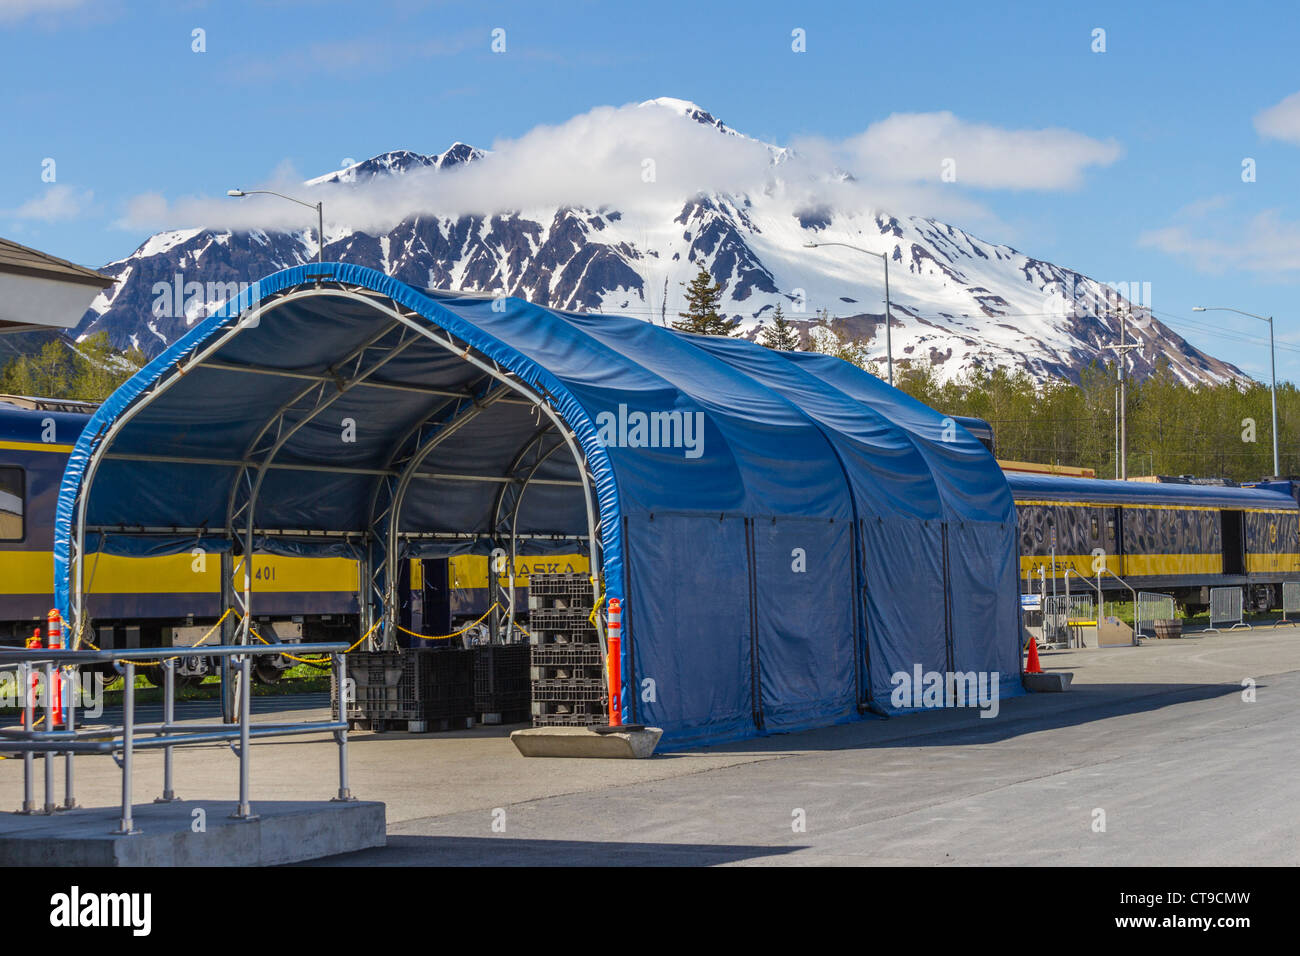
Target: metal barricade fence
{"x":1064,"y":615}
{"x":1152,"y":607}
{"x":1290,"y":601}
{"x":1226,"y":608}
{"x":121,"y":741}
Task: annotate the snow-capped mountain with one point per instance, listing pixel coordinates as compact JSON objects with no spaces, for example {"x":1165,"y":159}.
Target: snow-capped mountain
{"x":957,"y":302}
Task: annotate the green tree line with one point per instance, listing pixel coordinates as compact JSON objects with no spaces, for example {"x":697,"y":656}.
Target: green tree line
{"x":1173,"y":428}
{"x":88,"y":370}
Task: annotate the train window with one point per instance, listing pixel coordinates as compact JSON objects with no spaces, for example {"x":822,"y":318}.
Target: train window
{"x":1096,"y":529}
{"x":13,"y":493}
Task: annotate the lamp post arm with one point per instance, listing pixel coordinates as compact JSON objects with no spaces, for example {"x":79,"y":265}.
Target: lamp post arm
{"x":318,"y":206}
{"x":1272,"y":362}
{"x":884,"y":258}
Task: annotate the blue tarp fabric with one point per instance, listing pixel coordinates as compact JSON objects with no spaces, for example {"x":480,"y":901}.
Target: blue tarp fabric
{"x":786,"y":531}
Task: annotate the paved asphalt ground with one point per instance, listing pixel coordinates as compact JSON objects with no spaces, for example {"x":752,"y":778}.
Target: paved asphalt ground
{"x":1158,"y":738}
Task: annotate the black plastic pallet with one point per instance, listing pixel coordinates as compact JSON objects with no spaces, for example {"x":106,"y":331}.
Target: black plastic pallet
{"x":559,"y":618}
{"x":570,"y":636}
{"x":552,"y":672}
{"x":568,"y":691}
{"x":501,"y":677}
{"x":569,"y":720}
{"x":571,"y":585}
{"x":567,"y":655}
{"x":380,"y":724}
{"x":561,"y":708}
{"x":415,"y":684}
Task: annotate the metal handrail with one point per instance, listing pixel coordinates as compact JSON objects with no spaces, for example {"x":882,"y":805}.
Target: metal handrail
{"x":166,"y":734}
{"x":1137,"y":611}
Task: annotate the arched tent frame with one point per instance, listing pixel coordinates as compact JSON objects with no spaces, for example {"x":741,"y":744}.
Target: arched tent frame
{"x":785,"y":531}
{"x":507,"y":378}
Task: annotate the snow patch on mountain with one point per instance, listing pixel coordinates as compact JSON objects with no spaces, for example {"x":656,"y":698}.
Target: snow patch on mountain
{"x":957,"y":302}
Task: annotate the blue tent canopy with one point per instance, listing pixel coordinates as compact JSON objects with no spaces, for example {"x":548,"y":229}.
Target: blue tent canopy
{"x":785,"y":530}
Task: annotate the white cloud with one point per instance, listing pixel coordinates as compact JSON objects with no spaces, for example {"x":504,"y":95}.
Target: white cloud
{"x":1266,"y":244}
{"x":1281,"y":120}
{"x":605,"y":157}
{"x":54,"y":204}
{"x":918,"y":147}
{"x":12,"y":11}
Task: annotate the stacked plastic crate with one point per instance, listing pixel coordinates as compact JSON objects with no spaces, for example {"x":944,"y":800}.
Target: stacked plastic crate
{"x":419,"y":689}
{"x":568,"y":682}
{"x":501,"y":684}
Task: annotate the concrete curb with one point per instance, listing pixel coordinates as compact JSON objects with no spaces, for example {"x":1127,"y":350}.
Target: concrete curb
{"x":283,"y":832}
{"x":581,"y":742}
{"x":1048,"y":682}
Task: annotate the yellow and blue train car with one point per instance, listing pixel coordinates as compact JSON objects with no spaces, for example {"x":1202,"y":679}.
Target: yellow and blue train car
{"x":133,"y":599}
{"x":146,"y":592}
{"x":1176,"y":538}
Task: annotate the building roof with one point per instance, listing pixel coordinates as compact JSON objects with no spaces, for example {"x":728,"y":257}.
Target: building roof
{"x":18,"y":259}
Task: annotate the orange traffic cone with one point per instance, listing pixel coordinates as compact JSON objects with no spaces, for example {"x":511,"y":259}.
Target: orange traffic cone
{"x":1032,"y":666}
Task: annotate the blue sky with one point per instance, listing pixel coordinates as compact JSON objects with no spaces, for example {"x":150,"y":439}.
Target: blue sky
{"x":113,"y":93}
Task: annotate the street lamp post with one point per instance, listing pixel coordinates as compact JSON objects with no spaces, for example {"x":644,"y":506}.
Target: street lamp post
{"x":1272,"y":362}
{"x":1121,"y":397}
{"x":889,"y":349}
{"x":319,"y":207}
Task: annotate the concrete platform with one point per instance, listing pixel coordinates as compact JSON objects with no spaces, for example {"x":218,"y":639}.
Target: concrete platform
{"x":1048,"y":682}
{"x":581,"y":742}
{"x":285,"y":832}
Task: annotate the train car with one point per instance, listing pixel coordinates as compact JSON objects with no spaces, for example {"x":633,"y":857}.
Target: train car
{"x":151,"y":601}
{"x":1180,"y":539}
{"x":139,"y":601}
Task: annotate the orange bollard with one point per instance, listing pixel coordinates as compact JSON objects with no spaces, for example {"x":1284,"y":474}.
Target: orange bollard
{"x":54,"y":628}
{"x":615,"y":662}
{"x":35,"y":680}
{"x":1032,"y":666}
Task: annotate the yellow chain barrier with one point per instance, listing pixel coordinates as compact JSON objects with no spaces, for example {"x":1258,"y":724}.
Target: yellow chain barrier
{"x":303,"y":660}
{"x":447,"y":637}
{"x":320,"y":660}
{"x":597,"y":589}
{"x":158,"y":663}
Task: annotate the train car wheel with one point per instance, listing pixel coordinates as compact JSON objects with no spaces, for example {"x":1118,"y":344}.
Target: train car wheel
{"x":267,"y":673}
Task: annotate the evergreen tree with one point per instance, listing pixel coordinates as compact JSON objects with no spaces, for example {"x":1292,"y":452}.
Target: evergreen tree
{"x":88,"y":370}
{"x":825,"y":339}
{"x":703,"y":296}
{"x":780,"y":335}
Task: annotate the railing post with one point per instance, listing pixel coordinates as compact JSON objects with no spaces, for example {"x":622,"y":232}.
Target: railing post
{"x":244,"y":812}
{"x":49,"y":729}
{"x":70,"y":710}
{"x":128,"y":745}
{"x":341,"y":679}
{"x":29,"y":758}
{"x":169,"y":714}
